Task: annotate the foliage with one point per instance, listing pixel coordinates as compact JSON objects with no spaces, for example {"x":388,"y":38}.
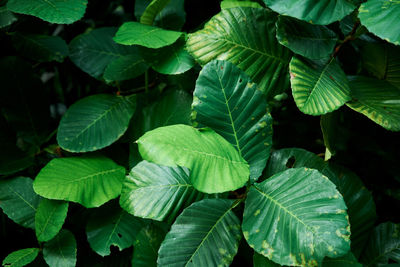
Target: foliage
{"x":173,"y":133}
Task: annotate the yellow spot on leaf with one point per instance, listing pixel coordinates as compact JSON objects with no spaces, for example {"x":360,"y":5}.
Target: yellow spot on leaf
{"x":257,"y":212}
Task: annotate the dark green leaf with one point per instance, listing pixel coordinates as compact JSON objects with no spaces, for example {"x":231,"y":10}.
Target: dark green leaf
{"x":125,"y":68}
{"x":21,"y":257}
{"x":207,"y":233}
{"x":152,"y":10}
{"x":95,"y":122}
{"x":49,"y":218}
{"x":61,"y":250}
{"x":246,"y":37}
{"x":90,"y":181}
{"x":227,"y":101}
{"x":6,"y":17}
{"x":215,"y":166}
{"x":18,"y":200}
{"x":261,"y":261}
{"x":348,"y":260}
{"x":146,"y":245}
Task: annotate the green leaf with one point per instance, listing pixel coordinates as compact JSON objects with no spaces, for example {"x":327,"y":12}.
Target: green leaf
{"x":125,"y":68}
{"x":261,"y":261}
{"x":313,"y":11}
{"x":18,"y":200}
{"x":146,"y":245}
{"x":173,"y":59}
{"x":118,"y":229}
{"x":296,"y":217}
{"x":349,"y":260}
{"x":227,"y":101}
{"x":6,"y":17}
{"x":378,"y":100}
{"x":94,"y":51}
{"x":152,"y":10}
{"x":42,"y":48}
{"x":61,"y":250}
{"x":215,"y":166}
{"x":245,"y":37}
{"x":49,"y":218}
{"x":381,"y":17}
{"x":54,"y":11}
{"x":157,"y":192}
{"x":21,"y":257}
{"x":308,"y":40}
{"x":207,"y":233}
{"x":384,"y":244}
{"x":235,"y":3}
{"x":89,"y":181}
{"x":135,"y":33}
{"x":318,"y":88}
{"x":95,"y":122}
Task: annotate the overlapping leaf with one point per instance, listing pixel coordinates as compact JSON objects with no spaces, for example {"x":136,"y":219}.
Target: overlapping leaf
{"x":146,"y":245}
{"x":246,"y":37}
{"x":49,"y":218}
{"x":157,"y":192}
{"x":152,"y":10}
{"x":227,"y":101}
{"x":61,"y":250}
{"x":348,"y":260}
{"x":212,"y":239}
{"x":90,"y":181}
{"x":54,"y":11}
{"x":308,"y":40}
{"x":95,"y":122}
{"x":381,"y":17}
{"x":377,"y":99}
{"x":318,"y":87}
{"x":314,"y":11}
{"x":6,"y":17}
{"x":296,"y":217}
{"x":215,"y":166}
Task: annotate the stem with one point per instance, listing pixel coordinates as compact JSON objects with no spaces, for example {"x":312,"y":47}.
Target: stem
{"x":146,"y":81}
{"x":348,"y":38}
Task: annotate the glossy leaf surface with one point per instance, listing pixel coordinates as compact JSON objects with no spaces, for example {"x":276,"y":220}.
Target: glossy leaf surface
{"x":49,"y":218}
{"x":21,"y":257}
{"x":61,"y":250}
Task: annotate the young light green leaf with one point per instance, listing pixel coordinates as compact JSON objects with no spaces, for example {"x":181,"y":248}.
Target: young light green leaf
{"x":318,"y":88}
{"x":296,"y":217}
{"x":42,"y":48}
{"x":157,"y":192}
{"x":89,"y":181}
{"x":308,"y":40}
{"x":207,"y":233}
{"x":381,"y":17}
{"x":152,"y":10}
{"x":215,"y":165}
{"x":246,"y":37}
{"x":320,"y":12}
{"x":54,"y":11}
{"x":377,"y":99}
{"x":21,"y":257}
{"x":384,"y":244}
{"x":49,"y":218}
{"x":118,"y":229}
{"x":227,"y":101}
{"x":6,"y":17}
{"x":18,"y":200}
{"x":95,"y":122}
{"x":146,"y":246}
{"x":61,"y":250}
{"x":135,"y":33}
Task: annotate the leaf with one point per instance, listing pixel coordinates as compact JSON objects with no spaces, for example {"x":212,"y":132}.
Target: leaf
{"x":21,"y":257}
{"x":320,"y":12}
{"x":18,"y":200}
{"x":245,"y":37}
{"x":54,"y":11}
{"x":261,"y":261}
{"x":41,"y":48}
{"x":146,"y":245}
{"x":49,"y":218}
{"x":118,"y":229}
{"x":94,"y":51}
{"x":125,"y":68}
{"x":215,"y":166}
{"x":235,"y":3}
{"x":95,"y":122}
{"x":383,"y":245}
{"x":61,"y":250}
{"x":6,"y":17}
{"x":296,"y":217}
{"x":376,"y":99}
{"x":157,"y":192}
{"x":89,"y":181}
{"x":349,"y":260}
{"x":207,"y":233}
{"x":318,"y":88}
{"x":381,"y":17}
{"x":134,"y":33}
{"x":227,"y":101}
{"x":172,"y":59}
{"x":152,"y":10}
{"x":308,"y":40}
